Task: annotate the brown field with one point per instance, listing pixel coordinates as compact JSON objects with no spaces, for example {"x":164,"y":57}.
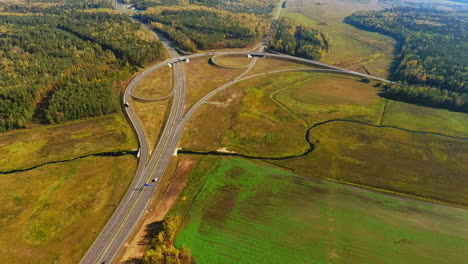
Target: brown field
{"x":156,"y":84}
{"x":52,"y":214}
{"x":233,"y":61}
{"x":25,"y":148}
{"x":270,"y":64}
{"x":332,"y":96}
{"x":202,"y":78}
{"x":152,"y":117}
{"x":244,"y":118}
{"x":261,"y":116}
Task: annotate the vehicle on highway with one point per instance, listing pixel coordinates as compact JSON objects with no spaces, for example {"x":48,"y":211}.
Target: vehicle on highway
{"x":126,"y":104}
{"x":154,"y":180}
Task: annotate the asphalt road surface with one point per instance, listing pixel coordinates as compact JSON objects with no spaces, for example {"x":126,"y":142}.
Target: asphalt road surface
{"x":132,"y":206}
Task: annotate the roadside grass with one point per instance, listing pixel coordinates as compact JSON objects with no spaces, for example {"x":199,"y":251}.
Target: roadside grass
{"x":25,"y":148}
{"x":152,"y":117}
{"x":427,"y":166}
{"x":202,"y":78}
{"x":423,"y":118}
{"x":156,"y":84}
{"x":246,"y":212}
{"x":351,"y":48}
{"x":244,"y":119}
{"x":333,"y":96}
{"x":52,"y":214}
{"x":233,"y":60}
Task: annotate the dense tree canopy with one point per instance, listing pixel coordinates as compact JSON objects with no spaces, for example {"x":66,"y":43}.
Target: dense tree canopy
{"x":58,"y":66}
{"x":204,"y":27}
{"x":259,"y":7}
{"x":434,"y":46}
{"x":300,"y":41}
{"x":162,"y":249}
{"x":428,"y":96}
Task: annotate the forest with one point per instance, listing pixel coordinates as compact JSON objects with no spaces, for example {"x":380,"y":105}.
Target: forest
{"x":194,"y":26}
{"x":259,"y":7}
{"x":433,"y":51}
{"x":59,"y":66}
{"x":301,"y":41}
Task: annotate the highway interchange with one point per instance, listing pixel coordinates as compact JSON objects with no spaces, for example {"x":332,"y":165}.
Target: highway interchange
{"x":153,"y":164}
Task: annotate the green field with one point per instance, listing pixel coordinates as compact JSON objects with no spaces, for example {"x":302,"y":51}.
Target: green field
{"x":351,"y":48}
{"x":269,"y":116}
{"x":422,"y":118}
{"x":52,"y":214}
{"x":426,"y":166}
{"x":25,"y":148}
{"x":247,"y":212}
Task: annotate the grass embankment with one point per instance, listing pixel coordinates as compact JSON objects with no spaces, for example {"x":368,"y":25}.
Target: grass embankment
{"x":246,"y":212}
{"x":351,"y":48}
{"x":202,"y":78}
{"x":52,"y":214}
{"x":22,"y":149}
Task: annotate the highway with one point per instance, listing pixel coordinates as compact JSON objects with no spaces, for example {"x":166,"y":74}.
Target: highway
{"x":134,"y":203}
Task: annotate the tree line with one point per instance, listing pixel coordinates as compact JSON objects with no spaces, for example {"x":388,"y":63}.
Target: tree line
{"x":434,"y":51}
{"x":65,"y":66}
{"x":162,"y":249}
{"x":301,"y":41}
{"x":427,"y":96}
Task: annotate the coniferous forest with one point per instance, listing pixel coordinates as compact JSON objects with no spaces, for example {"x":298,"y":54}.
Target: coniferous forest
{"x":301,"y":41}
{"x":62,"y":61}
{"x":208,"y":24}
{"x":433,"y":52}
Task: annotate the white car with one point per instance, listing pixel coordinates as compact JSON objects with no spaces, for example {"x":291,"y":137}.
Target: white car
{"x":154,"y":180}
